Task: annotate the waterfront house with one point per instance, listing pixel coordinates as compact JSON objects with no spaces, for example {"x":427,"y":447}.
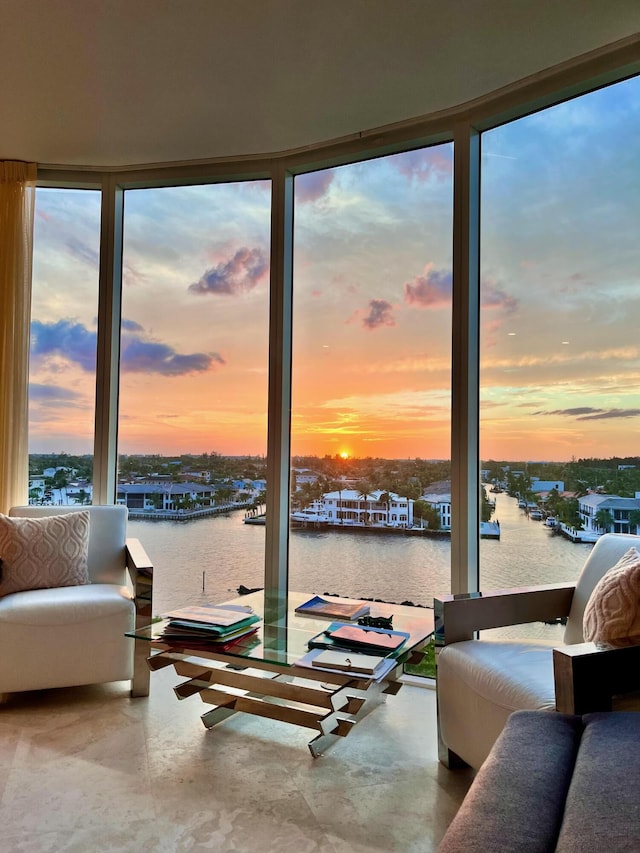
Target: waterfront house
{"x":149,"y":497}
{"x":376,"y":509}
{"x":619,"y":509}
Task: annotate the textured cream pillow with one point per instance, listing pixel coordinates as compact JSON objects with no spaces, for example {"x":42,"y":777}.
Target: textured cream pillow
{"x":612,"y":614}
{"x":38,"y":553}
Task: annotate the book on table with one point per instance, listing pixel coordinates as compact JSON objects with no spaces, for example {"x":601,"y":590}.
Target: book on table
{"x":359,"y":638}
{"x":322,"y":608}
{"x":348,"y":661}
{"x":220,"y":615}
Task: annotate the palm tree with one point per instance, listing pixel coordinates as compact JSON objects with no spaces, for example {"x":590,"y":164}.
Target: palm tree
{"x":385,"y":498}
{"x":634,"y":519}
{"x":364,"y":488}
{"x":603,"y":519}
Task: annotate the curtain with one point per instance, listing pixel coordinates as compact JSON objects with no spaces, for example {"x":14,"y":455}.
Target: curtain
{"x":17,"y":198}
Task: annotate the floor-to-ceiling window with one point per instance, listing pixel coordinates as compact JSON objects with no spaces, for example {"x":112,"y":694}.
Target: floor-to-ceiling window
{"x":371,"y":377}
{"x":62,"y":367}
{"x":560,"y":297}
{"x":193,"y":383}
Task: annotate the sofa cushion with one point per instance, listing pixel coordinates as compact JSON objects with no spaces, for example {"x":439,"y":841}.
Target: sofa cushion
{"x":612,"y":614}
{"x":516,"y":801}
{"x":602,"y":810}
{"x":39,"y":553}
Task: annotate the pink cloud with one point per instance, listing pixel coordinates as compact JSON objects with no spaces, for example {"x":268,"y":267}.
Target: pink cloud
{"x":380,"y":314}
{"x":430,"y":290}
{"x":312,"y":186}
{"x":425,"y":163}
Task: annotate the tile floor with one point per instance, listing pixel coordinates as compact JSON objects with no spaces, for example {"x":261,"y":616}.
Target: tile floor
{"x":90,"y":769}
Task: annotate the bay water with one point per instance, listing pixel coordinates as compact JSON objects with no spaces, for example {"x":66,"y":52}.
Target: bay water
{"x":207,"y":559}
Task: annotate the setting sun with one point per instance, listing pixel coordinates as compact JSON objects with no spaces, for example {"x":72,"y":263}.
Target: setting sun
{"x":344,"y":455}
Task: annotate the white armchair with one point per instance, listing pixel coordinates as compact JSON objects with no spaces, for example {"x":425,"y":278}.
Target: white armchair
{"x":480,"y":682}
{"x":73,"y":635}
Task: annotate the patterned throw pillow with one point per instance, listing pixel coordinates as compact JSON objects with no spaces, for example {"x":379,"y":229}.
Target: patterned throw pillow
{"x":612,"y":614}
{"x":38,"y":553}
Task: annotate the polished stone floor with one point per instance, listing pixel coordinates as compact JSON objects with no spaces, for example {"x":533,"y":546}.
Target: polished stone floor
{"x":89,"y":769}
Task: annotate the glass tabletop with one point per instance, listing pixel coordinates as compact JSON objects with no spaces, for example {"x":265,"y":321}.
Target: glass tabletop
{"x":286,"y":644}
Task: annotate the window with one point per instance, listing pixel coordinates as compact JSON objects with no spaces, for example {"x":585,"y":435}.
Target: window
{"x":559,"y":307}
{"x":371,"y":383}
{"x":62,"y":368}
{"x":193,"y":386}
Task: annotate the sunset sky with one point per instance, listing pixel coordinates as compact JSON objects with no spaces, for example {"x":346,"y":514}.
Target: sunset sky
{"x":560,"y":295}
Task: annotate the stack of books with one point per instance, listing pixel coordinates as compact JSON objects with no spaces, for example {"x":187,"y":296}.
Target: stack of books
{"x":220,"y":626}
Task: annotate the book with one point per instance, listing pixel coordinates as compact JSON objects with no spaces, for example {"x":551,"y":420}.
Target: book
{"x":209,"y":629}
{"x":244,"y":642}
{"x":348,"y":661}
{"x":387,"y":665}
{"x":360,"y":637}
{"x":212,"y":614}
{"x":322,"y":608}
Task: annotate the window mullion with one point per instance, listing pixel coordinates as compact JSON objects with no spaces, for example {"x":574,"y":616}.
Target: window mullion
{"x":465,"y":463}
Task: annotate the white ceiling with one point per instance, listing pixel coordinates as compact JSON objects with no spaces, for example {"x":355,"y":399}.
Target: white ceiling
{"x":123,"y":82}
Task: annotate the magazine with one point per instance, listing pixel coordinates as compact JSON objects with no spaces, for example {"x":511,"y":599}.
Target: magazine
{"x":322,"y":608}
{"x":211,"y":614}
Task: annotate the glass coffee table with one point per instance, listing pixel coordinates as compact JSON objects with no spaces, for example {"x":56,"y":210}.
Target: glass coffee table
{"x":262,"y":675}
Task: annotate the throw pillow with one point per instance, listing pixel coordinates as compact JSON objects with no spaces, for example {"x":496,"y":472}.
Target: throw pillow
{"x":612,"y":614}
{"x":38,"y":553}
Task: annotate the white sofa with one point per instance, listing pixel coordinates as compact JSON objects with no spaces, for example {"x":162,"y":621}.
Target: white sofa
{"x":480,"y":682}
{"x":75,"y":635}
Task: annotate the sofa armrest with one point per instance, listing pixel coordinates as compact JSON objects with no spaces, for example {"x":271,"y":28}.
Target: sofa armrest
{"x":588,"y":676}
{"x":458,"y":617}
{"x":141,"y":574}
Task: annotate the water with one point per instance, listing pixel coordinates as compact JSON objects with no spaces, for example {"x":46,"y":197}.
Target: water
{"x":387,"y":566}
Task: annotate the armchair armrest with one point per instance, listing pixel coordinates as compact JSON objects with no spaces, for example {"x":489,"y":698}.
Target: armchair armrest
{"x":587,"y":676}
{"x":457,"y":617}
{"x":141,"y":574}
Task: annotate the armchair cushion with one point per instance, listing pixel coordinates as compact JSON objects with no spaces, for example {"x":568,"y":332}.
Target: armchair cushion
{"x":612,"y":614}
{"x":41,"y":553}
{"x":485,"y":681}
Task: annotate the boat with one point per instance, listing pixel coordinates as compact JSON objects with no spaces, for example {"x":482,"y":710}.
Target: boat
{"x":255,"y":519}
{"x":489,"y":529}
{"x":309,"y":516}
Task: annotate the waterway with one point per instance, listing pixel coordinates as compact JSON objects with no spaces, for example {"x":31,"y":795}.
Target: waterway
{"x":222,"y":552}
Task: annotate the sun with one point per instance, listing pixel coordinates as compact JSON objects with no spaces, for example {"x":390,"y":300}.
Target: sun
{"x":344,"y":455}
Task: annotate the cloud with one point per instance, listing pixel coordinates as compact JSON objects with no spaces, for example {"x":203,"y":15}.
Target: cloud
{"x":238,"y":275}
{"x":139,"y":356}
{"x":588,"y":413}
{"x":431,"y":290}
{"x":79,"y":249}
{"x":493,"y":296}
{"x":425,"y":163}
{"x":73,"y":342}
{"x":313,"y":186}
{"x":66,"y":338}
{"x":380,"y":314}
{"x":52,"y":394}
{"x":131,"y":326}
